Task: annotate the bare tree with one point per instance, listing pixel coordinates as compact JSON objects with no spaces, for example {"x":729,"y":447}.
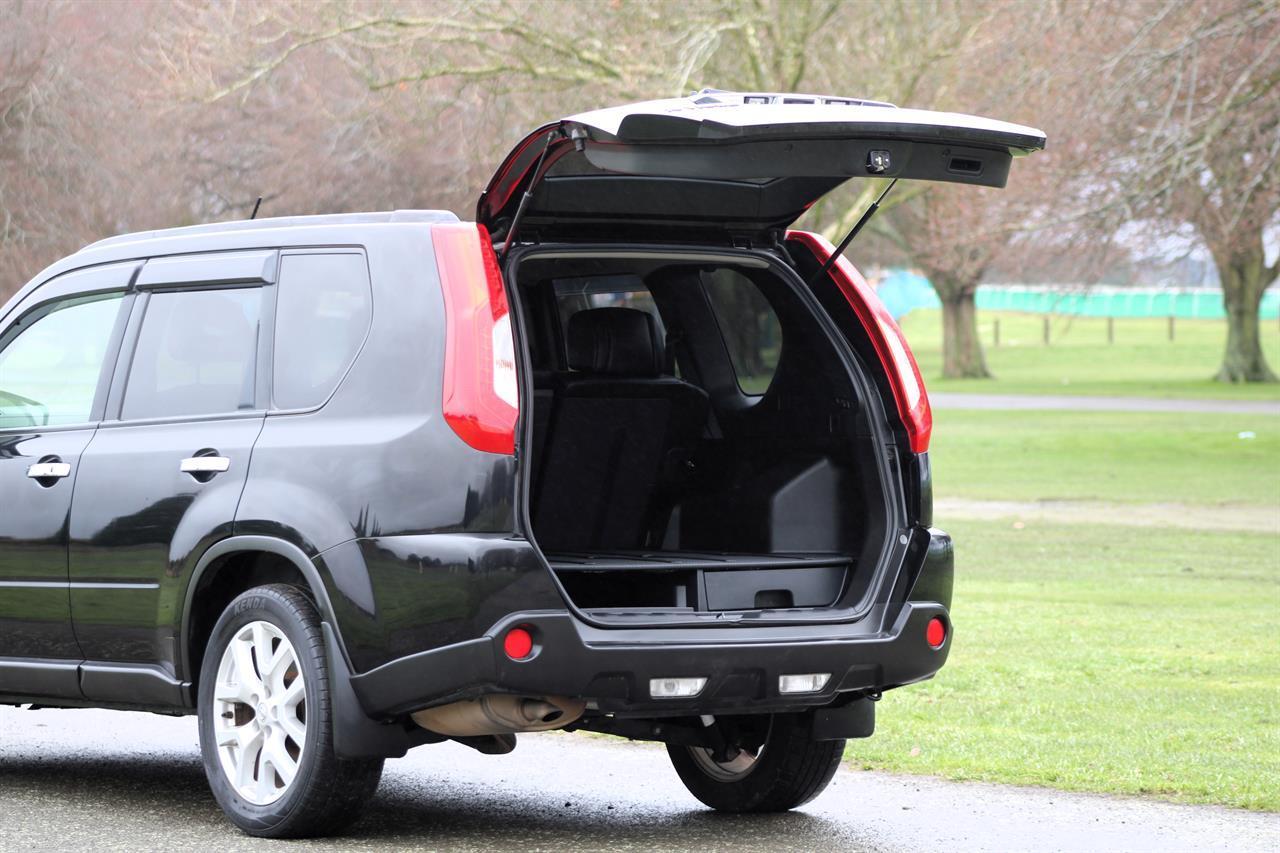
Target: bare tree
{"x":81,"y":156}
{"x":954,"y":235}
{"x":1190,"y":97}
{"x":972,"y":59}
{"x":1166,"y":115}
{"x":332,"y":106}
{"x":498,"y":66}
{"x":38,"y":163}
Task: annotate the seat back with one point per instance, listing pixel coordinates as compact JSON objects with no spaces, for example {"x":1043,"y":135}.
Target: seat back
{"x":617,"y":437}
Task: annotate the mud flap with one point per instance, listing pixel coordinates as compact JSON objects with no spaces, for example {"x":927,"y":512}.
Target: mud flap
{"x":355,"y":735}
{"x":854,"y":720}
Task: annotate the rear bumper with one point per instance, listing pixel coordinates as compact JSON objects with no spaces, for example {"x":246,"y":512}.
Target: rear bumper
{"x":612,"y":667}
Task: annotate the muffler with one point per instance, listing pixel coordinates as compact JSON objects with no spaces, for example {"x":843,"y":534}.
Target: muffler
{"x":500,"y":714}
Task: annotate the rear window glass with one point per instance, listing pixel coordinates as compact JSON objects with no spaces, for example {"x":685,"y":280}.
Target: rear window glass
{"x":196,"y":354}
{"x":322,"y":316}
{"x":750,"y":328}
{"x":611,"y":291}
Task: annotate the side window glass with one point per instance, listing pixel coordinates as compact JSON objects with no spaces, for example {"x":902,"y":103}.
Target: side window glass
{"x":51,"y":361}
{"x":196,"y":354}
{"x":322,"y":316}
{"x":750,"y":328}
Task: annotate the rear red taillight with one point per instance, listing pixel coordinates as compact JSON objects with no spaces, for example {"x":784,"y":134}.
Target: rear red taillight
{"x":481,"y":396}
{"x":935,"y":633}
{"x":890,"y":344}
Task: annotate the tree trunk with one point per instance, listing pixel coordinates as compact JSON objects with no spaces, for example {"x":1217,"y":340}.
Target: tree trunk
{"x":1244,"y":276}
{"x":962,"y":355}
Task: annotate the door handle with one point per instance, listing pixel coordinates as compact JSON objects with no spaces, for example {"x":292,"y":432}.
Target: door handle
{"x":209,"y":465}
{"x":49,"y":470}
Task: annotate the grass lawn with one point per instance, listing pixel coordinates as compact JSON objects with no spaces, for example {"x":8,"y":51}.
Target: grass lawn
{"x":1142,"y":362}
{"x":1142,"y":662}
{"x":1112,"y":456}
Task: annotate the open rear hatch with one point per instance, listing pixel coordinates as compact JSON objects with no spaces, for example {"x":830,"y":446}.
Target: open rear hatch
{"x":732,"y":163}
{"x":659,"y":483}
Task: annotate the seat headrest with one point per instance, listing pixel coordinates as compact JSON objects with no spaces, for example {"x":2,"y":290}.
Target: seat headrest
{"x":614,"y":342}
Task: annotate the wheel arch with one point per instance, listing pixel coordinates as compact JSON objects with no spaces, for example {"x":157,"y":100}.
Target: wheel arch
{"x":230,"y":567}
{"x":355,"y":734}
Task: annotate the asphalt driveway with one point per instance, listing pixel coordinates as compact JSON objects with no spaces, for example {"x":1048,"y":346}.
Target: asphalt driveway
{"x":103,"y":780}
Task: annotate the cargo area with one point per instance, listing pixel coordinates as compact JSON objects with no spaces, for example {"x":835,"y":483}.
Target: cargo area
{"x":694,"y":440}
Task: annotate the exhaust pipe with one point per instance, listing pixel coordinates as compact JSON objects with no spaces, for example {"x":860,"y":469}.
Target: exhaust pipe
{"x":499,"y":714}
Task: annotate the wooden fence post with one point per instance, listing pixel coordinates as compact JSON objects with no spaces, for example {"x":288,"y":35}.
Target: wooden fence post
{"x":995,"y":334}
{"x":1170,"y":327}
{"x":1111,"y":330}
{"x":1046,"y":329}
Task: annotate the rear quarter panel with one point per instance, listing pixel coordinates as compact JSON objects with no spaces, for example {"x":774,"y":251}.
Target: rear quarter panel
{"x":411,"y":529}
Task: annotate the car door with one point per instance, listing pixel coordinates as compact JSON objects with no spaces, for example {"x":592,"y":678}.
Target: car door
{"x":163,"y":474}
{"x":55,"y":347}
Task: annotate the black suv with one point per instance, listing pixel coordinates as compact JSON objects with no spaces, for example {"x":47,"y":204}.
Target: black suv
{"x":625,"y":456}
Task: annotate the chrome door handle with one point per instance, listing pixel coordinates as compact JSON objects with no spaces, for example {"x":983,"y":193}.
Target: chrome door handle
{"x":204,"y":465}
{"x":49,"y":470}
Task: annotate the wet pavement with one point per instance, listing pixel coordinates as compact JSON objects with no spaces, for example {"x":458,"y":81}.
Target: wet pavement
{"x":103,"y":780}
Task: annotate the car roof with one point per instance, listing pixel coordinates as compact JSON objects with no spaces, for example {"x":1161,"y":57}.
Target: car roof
{"x":223,"y":236}
{"x":238,"y":225}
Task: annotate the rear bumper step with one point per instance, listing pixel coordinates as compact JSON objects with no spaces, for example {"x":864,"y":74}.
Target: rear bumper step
{"x":613,"y":668}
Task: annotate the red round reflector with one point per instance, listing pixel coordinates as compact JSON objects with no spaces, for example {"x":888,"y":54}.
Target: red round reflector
{"x":935,"y":634}
{"x":518,"y":644}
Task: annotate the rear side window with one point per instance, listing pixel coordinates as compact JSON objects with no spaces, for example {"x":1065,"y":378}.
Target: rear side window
{"x":196,"y":354}
{"x":749,"y":326}
{"x":51,"y":361}
{"x":322,"y":316}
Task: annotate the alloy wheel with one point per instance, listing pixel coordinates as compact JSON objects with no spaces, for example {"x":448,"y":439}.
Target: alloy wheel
{"x":260,"y":713}
{"x":739,"y":765}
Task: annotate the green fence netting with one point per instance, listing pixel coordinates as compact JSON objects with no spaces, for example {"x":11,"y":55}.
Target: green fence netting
{"x":903,"y":291}
{"x":1199,"y":303}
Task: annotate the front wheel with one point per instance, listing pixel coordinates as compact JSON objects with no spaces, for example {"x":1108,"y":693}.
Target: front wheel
{"x":775,"y":772}
{"x":266,"y":721}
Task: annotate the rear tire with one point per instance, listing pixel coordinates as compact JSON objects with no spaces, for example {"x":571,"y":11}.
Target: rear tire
{"x":266,"y":721}
{"x":787,"y":770}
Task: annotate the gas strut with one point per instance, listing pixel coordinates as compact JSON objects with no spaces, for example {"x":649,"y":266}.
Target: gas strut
{"x":848,"y":238}
{"x":528,"y":195}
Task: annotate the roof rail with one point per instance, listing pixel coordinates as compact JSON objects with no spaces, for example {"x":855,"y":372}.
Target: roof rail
{"x":425,"y":216}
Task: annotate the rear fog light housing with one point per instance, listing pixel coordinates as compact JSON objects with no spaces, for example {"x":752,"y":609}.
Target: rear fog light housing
{"x":935,"y":633}
{"x":518,"y":644}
